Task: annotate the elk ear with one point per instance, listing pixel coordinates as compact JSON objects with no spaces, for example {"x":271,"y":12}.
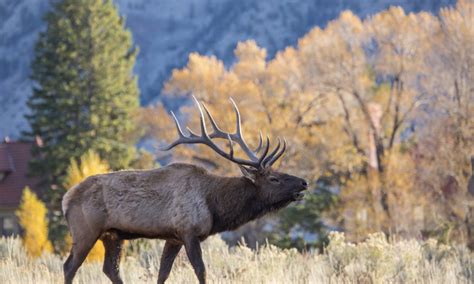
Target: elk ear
{"x":249,"y":173}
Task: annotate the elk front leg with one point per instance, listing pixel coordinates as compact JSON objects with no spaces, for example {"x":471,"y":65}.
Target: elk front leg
{"x":193,"y":250}
{"x":170,"y":251}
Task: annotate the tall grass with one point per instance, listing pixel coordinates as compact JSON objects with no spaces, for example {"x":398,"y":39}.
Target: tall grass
{"x":375,"y":260}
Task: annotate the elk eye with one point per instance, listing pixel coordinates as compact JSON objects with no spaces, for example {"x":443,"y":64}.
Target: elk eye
{"x":274,"y":180}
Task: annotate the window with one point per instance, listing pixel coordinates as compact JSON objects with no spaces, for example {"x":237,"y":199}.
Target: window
{"x":8,"y":226}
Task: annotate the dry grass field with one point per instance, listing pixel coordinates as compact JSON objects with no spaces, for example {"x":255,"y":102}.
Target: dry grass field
{"x":375,"y":260}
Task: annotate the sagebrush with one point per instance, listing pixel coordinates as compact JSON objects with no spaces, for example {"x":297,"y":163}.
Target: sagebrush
{"x":376,"y":260}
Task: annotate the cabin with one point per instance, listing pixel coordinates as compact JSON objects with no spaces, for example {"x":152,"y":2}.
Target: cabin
{"x":14,"y":159}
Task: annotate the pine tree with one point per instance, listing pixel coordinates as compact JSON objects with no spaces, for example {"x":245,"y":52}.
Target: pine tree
{"x":85,"y":92}
{"x":90,"y":164}
{"x":32,"y":216}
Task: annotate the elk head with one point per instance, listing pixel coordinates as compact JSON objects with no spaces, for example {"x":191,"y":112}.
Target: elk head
{"x":276,"y":188}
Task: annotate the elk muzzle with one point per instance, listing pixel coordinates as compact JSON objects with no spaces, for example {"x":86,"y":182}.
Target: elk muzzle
{"x":298,"y":193}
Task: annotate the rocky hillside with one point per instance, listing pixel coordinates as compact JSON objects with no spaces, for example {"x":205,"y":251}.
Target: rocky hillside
{"x":166,"y":31}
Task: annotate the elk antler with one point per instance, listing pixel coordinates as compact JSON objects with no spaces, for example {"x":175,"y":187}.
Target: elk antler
{"x":258,"y":162}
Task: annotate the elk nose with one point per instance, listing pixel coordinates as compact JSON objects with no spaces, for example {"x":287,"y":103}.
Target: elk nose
{"x":304,"y":183}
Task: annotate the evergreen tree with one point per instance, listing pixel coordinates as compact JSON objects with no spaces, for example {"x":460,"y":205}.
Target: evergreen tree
{"x":32,"y":217}
{"x":85,"y":91}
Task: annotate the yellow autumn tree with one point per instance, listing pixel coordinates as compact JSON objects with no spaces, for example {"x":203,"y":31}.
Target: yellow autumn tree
{"x":90,"y":164}
{"x":447,"y":142}
{"x":32,"y":217}
{"x":315,"y":94}
{"x":379,"y":108}
{"x":278,"y":108}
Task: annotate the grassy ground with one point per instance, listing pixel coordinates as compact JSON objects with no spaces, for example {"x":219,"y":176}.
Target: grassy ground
{"x":374,"y":261}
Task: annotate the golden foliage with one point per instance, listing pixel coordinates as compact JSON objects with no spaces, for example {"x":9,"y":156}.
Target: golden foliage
{"x":32,"y":217}
{"x":90,"y":164}
{"x":320,"y":95}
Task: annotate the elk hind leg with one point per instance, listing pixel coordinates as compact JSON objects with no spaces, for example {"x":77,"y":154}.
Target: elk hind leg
{"x":113,"y":249}
{"x":84,"y":235}
{"x":79,"y":251}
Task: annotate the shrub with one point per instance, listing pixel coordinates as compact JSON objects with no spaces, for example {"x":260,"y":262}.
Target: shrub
{"x":375,"y":260}
{"x":32,"y":217}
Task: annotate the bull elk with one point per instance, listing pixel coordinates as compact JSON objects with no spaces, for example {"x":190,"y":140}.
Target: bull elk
{"x":180,"y":203}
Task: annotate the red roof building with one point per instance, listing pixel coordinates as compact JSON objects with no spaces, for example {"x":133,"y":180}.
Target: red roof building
{"x":14,"y":159}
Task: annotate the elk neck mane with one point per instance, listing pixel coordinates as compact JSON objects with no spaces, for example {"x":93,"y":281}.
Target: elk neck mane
{"x":234,"y":201}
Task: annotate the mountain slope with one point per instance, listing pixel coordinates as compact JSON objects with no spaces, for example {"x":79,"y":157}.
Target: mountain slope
{"x":167,"y":31}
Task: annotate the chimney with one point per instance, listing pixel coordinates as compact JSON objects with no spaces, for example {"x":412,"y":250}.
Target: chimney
{"x":39,"y":141}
